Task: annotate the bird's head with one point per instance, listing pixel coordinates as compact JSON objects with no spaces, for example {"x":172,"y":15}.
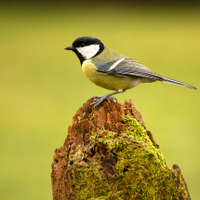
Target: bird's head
{"x":86,"y":47}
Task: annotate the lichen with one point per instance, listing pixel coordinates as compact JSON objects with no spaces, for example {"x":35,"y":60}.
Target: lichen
{"x":140,"y":171}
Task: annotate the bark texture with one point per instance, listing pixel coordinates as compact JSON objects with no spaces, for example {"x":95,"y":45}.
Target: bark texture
{"x":109,"y":154}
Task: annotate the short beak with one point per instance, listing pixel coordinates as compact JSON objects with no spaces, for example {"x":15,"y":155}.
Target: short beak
{"x":69,"y":48}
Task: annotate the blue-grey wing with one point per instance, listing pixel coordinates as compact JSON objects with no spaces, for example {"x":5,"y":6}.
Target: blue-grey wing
{"x":126,"y":67}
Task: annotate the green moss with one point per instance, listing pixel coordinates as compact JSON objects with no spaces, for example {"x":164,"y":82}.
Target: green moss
{"x":141,"y":171}
{"x":90,"y":181}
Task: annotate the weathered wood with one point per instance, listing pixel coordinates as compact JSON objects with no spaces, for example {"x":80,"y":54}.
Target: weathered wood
{"x":109,"y":154}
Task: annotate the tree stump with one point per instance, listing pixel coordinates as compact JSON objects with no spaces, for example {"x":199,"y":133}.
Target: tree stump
{"x":109,"y":154}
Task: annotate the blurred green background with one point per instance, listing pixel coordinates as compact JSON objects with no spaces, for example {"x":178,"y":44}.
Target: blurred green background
{"x":42,"y":85}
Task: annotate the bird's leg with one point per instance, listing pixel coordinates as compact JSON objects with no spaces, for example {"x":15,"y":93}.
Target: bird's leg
{"x":103,"y":98}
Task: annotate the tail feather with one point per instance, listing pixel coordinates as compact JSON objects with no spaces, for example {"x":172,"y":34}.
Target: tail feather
{"x":168,"y":80}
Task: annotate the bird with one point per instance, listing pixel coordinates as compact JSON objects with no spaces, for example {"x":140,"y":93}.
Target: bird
{"x":109,"y":69}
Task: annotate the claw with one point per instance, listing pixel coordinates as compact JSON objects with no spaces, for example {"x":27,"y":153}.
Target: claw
{"x":99,"y":100}
{"x":112,"y":99}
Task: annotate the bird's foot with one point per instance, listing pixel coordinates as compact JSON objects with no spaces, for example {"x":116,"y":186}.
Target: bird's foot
{"x":99,"y":100}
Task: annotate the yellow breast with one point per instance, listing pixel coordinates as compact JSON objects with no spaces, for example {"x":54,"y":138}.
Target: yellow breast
{"x":108,"y":81}
{"x":89,"y":69}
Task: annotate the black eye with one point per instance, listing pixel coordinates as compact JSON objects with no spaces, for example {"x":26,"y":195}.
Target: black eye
{"x":82,"y":44}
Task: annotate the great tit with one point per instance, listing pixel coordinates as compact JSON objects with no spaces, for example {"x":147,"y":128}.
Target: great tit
{"x":111,"y":70}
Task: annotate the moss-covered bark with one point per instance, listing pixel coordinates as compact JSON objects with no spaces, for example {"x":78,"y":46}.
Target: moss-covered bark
{"x":113,"y":158}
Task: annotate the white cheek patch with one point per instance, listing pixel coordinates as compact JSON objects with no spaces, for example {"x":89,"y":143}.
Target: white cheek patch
{"x":88,"y":51}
